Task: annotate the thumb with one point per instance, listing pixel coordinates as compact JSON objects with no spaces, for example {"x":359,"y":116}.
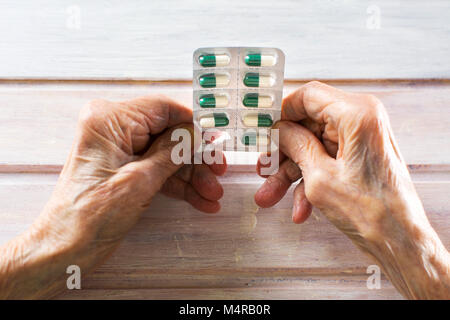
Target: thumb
{"x":302,"y":147}
{"x":165,"y":157}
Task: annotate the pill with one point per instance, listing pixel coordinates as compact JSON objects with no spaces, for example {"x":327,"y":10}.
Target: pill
{"x":212,"y":80}
{"x":214,"y":120}
{"x":259,"y":60}
{"x":257,"y":101}
{"x":213,"y":101}
{"x":254,"y":79}
{"x":258,"y":120}
{"x":252,"y":139}
{"x":214,"y":60}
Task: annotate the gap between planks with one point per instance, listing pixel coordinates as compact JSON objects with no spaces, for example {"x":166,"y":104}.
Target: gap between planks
{"x":343,"y":288}
{"x":419,"y":172}
{"x":436,"y":171}
{"x":34,"y":113}
{"x":153,"y":278}
{"x":122,"y":81}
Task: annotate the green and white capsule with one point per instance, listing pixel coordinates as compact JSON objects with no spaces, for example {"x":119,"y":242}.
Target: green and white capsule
{"x":213,"y":101}
{"x":255,"y":100}
{"x":212,"y":80}
{"x":253,"y":139}
{"x":257,"y":120}
{"x":254,"y":79}
{"x":217,"y":119}
{"x":214,"y":60}
{"x":259,"y":60}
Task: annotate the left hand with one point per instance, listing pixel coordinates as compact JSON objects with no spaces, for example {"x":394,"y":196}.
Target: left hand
{"x":120,"y":159}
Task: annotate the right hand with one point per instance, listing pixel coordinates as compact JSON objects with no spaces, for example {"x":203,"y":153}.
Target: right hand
{"x":342,"y":144}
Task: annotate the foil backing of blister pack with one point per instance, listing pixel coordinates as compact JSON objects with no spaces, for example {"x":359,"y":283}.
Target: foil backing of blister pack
{"x":237,"y":96}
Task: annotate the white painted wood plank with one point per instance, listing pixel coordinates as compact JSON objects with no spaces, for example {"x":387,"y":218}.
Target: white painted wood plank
{"x":172,"y":237}
{"x":155,"y":39}
{"x":330,"y":287}
{"x":38,"y":120}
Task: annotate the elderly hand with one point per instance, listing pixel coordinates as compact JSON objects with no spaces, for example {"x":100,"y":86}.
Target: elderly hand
{"x":342,"y":144}
{"x":120,"y":159}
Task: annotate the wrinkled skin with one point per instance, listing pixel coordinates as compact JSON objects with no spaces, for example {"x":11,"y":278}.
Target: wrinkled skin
{"x":120,"y":159}
{"x":342,"y":144}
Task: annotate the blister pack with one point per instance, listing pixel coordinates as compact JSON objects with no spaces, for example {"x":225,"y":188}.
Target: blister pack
{"x":237,"y":96}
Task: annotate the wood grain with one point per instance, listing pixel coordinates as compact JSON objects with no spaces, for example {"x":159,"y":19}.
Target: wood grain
{"x":342,"y":287}
{"x":326,"y":39}
{"x":241,"y":252}
{"x":38,"y":119}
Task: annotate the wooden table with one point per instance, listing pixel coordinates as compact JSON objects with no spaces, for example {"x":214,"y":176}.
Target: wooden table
{"x":56,"y":56}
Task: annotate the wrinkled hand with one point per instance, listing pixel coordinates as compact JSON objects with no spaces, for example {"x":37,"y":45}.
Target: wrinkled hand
{"x":120,"y":159}
{"x":342,"y":144}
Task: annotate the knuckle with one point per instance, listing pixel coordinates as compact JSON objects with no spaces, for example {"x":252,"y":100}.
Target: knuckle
{"x":373,"y":112}
{"x":315,"y":93}
{"x":160,"y":97}
{"x":373,"y":101}
{"x":93,"y":111}
{"x":313,"y":84}
{"x":310,"y":89}
{"x":156,"y":98}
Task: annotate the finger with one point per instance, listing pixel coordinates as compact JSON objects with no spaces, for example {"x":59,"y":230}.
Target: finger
{"x":205,"y":182}
{"x":176,"y":188}
{"x":276,"y":186}
{"x":218,"y":168}
{"x":185,"y":172}
{"x":302,"y":208}
{"x":203,"y":178}
{"x":161,"y":111}
{"x":300,"y":145}
{"x":151,"y":115}
{"x":158,"y":163}
{"x":313,"y":126}
{"x":267,"y":165}
{"x":329,"y":137}
{"x":331,"y":147}
{"x":313,"y":100}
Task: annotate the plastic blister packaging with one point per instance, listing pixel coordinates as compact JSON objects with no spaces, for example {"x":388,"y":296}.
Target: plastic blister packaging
{"x":254,"y":57}
{"x":216,"y":118}
{"x":210,"y":58}
{"x":206,"y":99}
{"x":250,"y":99}
{"x":213,"y":137}
{"x":257,"y":118}
{"x":261,"y":79}
{"x":255,"y":140}
{"x":238,"y":89}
